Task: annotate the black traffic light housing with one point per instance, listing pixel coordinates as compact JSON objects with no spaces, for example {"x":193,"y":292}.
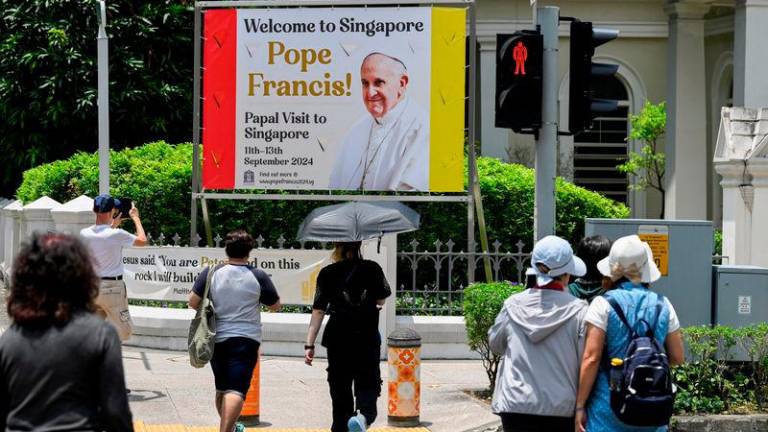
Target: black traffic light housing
{"x":583,"y":107}
{"x":518,"y":80}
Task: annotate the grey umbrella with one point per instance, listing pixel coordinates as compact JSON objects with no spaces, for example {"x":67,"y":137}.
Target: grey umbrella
{"x":357,"y":221}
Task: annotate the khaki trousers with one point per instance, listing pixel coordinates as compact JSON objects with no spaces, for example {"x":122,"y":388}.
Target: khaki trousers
{"x":112,"y":303}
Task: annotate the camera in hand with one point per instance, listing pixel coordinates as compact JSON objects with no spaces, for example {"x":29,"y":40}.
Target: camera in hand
{"x":125,"y":206}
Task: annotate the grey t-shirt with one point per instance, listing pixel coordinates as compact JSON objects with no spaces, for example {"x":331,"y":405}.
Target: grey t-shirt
{"x":237,"y":292}
{"x":67,"y":378}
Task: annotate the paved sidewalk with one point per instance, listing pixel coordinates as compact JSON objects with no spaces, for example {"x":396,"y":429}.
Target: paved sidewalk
{"x":165,"y":389}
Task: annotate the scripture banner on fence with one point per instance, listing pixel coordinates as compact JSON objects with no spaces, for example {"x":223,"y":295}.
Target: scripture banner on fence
{"x":167,"y":273}
{"x":334,"y":98}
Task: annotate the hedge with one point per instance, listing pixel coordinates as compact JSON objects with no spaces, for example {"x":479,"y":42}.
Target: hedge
{"x":482,"y":302}
{"x":712,"y":382}
{"x":157,"y":177}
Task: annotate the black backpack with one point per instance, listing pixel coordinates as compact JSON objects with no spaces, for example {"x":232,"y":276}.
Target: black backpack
{"x":642,"y":392}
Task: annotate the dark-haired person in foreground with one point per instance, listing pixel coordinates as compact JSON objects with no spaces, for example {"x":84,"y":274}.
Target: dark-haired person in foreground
{"x":61,"y":365}
{"x":238,"y":290}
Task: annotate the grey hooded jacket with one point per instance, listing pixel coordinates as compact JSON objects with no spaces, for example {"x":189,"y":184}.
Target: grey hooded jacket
{"x":540,"y":335}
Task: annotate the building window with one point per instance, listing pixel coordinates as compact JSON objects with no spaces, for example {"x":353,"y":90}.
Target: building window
{"x":598,"y":151}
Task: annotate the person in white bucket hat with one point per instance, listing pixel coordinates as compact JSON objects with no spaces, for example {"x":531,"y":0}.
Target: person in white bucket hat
{"x":630,"y":258}
{"x":540,"y":335}
{"x":629,"y":270}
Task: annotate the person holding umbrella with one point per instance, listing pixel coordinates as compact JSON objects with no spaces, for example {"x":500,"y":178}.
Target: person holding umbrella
{"x":352,"y":291}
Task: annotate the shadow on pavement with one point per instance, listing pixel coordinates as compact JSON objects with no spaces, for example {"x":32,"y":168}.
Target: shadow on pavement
{"x":137,"y":395}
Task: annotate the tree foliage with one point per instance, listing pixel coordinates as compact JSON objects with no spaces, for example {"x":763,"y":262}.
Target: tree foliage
{"x":48,"y":78}
{"x":649,"y":164}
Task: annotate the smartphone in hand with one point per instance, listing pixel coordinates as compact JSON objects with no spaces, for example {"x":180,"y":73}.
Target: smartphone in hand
{"x":125,"y":206}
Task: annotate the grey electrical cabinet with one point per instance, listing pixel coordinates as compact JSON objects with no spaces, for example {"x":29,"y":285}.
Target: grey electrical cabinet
{"x":683,"y":252}
{"x":741,"y":295}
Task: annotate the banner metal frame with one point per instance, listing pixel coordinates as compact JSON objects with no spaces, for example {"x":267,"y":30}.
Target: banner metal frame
{"x":467,"y":196}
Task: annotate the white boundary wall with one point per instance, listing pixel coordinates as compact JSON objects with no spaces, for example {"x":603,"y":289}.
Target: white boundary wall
{"x":284,"y":333}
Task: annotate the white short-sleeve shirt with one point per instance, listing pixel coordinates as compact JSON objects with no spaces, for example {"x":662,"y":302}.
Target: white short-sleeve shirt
{"x":106,"y":246}
{"x":599,"y":311}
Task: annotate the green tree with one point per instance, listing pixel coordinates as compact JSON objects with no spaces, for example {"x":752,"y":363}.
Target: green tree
{"x":648,"y":166}
{"x":48,"y":78}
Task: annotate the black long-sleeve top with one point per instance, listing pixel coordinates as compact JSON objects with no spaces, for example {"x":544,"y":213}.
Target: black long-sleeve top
{"x":63,"y":378}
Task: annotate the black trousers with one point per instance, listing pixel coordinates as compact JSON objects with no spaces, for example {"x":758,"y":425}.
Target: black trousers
{"x":353,"y":367}
{"x":512,"y":422}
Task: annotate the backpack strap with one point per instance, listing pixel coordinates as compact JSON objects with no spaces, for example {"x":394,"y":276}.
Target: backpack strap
{"x":620,"y":313}
{"x":659,"y":309}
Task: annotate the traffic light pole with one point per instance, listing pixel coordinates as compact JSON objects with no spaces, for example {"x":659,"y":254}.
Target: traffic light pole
{"x":546,"y":142}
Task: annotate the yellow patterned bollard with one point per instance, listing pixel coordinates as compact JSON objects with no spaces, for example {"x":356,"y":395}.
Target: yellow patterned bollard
{"x":404,"y":360}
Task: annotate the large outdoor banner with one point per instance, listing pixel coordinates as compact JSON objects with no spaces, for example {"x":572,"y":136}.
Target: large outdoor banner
{"x":167,"y":273}
{"x":334,"y":98}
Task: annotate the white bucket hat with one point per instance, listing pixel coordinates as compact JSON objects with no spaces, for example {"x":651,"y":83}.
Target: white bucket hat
{"x":632,"y":258}
{"x":556,"y":254}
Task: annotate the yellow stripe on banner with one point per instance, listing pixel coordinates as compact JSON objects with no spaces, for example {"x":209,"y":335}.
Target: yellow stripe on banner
{"x":446,"y":124}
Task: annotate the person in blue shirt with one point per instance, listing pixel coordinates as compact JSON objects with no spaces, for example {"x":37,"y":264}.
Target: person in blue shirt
{"x":630,"y":269}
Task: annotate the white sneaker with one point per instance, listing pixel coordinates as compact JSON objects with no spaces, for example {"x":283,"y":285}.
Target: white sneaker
{"x":357,"y":423}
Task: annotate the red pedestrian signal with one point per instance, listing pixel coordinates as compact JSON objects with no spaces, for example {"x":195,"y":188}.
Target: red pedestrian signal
{"x":518,"y":81}
{"x":520,"y":55}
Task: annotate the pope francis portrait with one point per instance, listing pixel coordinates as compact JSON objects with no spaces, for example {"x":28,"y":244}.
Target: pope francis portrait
{"x":388,"y":148}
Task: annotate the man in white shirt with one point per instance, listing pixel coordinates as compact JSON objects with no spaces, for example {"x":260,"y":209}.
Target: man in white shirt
{"x":388,"y":149}
{"x":105,"y":242}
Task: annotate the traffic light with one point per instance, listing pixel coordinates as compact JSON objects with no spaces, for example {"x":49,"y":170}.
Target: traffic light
{"x":582,"y":107}
{"x":518,"y":80}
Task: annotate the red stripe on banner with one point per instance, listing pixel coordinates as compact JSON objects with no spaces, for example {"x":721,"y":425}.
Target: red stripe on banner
{"x":219,"y":93}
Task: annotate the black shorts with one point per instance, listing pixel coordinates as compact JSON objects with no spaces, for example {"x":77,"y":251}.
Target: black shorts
{"x":233,"y":362}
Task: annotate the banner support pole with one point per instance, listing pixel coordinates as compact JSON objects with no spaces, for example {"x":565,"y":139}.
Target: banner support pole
{"x":195,"y":124}
{"x":472,"y":163}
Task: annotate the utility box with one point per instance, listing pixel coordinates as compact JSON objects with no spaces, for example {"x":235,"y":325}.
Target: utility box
{"x":683,"y":252}
{"x":741,"y":295}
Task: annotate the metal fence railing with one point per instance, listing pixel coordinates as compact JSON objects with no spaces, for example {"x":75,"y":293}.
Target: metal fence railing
{"x":432,"y":282}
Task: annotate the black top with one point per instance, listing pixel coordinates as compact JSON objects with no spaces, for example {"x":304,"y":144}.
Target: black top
{"x":348,"y":291}
{"x":67,"y":378}
{"x":268,"y":293}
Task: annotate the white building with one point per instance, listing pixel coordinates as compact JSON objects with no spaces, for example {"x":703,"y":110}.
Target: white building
{"x":697,"y":55}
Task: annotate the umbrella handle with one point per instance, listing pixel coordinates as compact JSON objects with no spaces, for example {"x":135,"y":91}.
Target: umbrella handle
{"x":378,"y":245}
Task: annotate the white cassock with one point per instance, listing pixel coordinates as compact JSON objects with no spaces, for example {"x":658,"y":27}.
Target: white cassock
{"x":391,"y":153}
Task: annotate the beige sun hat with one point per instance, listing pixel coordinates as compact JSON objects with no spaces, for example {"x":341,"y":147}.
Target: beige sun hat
{"x":632,"y":258}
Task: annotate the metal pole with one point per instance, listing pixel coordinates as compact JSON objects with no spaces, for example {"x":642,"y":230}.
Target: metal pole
{"x":546,"y":162}
{"x":471,"y":171}
{"x":195,"y":124}
{"x":102,"y":55}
